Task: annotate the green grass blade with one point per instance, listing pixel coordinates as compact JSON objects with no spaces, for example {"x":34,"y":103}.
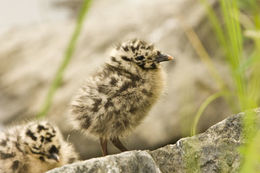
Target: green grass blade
{"x":202,"y":109}
{"x":234,"y":56}
{"x":250,"y":150}
{"x":215,"y":23}
{"x":67,"y":57}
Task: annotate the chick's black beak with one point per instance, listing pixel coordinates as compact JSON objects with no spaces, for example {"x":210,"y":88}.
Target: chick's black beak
{"x":163,"y":57}
{"x":55,"y":157}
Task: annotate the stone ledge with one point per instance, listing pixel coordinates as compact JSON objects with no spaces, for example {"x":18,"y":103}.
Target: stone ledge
{"x":212,"y":151}
{"x":131,"y":162}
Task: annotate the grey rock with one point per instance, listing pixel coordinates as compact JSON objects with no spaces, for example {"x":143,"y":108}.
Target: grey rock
{"x":130,"y":162}
{"x":212,"y":151}
{"x":215,"y":150}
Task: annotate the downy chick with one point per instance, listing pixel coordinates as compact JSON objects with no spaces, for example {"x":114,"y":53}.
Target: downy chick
{"x":116,"y":98}
{"x":34,"y":148}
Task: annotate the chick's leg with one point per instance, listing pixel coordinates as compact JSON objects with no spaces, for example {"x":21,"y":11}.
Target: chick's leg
{"x":118,"y":144}
{"x":103,"y":143}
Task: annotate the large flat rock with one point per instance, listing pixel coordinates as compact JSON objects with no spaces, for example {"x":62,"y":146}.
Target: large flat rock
{"x":214,"y":151}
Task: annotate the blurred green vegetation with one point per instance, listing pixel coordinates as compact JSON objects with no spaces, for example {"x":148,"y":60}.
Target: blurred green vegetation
{"x":237,"y":29}
{"x":67,"y":57}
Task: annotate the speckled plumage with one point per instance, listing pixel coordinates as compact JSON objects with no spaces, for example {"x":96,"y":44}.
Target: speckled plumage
{"x":118,"y":96}
{"x":33,"y":148}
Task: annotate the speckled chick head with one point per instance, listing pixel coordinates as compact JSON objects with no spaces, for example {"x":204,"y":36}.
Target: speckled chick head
{"x":42,"y":141}
{"x":145,"y":55}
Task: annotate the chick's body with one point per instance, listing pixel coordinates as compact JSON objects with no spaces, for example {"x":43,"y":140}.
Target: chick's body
{"x":115,"y":99}
{"x":33,"y":148}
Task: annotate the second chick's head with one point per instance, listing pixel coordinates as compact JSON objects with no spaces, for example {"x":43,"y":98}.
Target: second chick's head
{"x":145,"y":55}
{"x":43,"y":141}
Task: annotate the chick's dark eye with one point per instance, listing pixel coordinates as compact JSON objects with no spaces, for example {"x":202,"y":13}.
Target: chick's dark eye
{"x":139,"y":58}
{"x":42,"y":139}
{"x":53,"y":149}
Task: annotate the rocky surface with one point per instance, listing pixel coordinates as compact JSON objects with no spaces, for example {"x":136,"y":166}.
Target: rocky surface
{"x":30,"y":55}
{"x":215,"y":150}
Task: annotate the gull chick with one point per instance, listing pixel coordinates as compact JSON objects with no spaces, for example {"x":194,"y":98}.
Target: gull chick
{"x":34,"y":148}
{"x":116,"y":98}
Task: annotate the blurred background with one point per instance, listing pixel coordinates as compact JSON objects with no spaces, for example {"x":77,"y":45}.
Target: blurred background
{"x":35,"y":33}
